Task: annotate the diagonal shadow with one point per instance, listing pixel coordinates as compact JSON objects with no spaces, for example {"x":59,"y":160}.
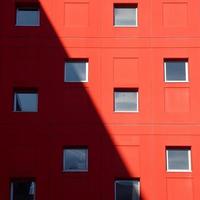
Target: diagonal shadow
{"x":33,"y":143}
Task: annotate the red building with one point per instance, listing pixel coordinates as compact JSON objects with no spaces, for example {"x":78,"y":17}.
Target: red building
{"x":99,"y":100}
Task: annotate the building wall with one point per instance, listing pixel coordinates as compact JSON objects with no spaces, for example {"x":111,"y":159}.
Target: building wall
{"x":121,"y":145}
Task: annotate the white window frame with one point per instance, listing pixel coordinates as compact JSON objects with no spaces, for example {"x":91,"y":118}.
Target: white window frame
{"x":24,"y":92}
{"x":75,"y":170}
{"x":86,"y":71}
{"x":136,"y":17}
{"x":179,"y":170}
{"x":123,"y":180}
{"x":26,"y":8}
{"x":176,"y":81}
{"x":12,"y":190}
{"x":125,"y":111}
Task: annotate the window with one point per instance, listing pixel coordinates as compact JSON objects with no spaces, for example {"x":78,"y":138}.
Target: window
{"x":25,"y":101}
{"x":22,"y":190}
{"x":126,"y":100}
{"x":76,"y":71}
{"x":178,"y":159}
{"x":75,"y":160}
{"x":27,"y":16}
{"x":127,"y":189}
{"x":176,"y":70}
{"x":125,"y":15}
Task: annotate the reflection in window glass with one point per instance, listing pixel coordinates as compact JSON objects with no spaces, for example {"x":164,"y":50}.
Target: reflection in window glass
{"x":76,"y":71}
{"x":125,"y":15}
{"x":75,"y":160}
{"x":25,"y":102}
{"x":127,"y":189}
{"x":126,"y":101}
{"x":23,"y":190}
{"x":176,"y":70}
{"x":178,"y":159}
{"x":27,"y":16}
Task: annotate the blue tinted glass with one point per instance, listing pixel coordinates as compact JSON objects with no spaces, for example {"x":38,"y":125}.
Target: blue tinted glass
{"x":26,"y":102}
{"x":126,"y":101}
{"x":75,"y":159}
{"x":76,"y":71}
{"x":178,"y":159}
{"x":176,"y":71}
{"x":125,"y":16}
{"x":27,"y":17}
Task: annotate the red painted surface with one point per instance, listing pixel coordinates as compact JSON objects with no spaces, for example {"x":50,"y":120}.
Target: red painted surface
{"x":121,"y":145}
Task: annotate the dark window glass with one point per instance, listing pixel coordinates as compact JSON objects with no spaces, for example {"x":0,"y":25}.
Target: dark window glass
{"x":127,"y":190}
{"x":23,"y":190}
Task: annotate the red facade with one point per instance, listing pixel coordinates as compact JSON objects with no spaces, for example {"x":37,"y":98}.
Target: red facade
{"x":121,"y":145}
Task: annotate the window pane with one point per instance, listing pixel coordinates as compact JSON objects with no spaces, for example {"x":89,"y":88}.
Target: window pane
{"x":76,"y":159}
{"x":126,"y":101}
{"x":125,"y":16}
{"x":178,"y":159}
{"x":23,"y":190}
{"x":26,"y":102}
{"x":176,"y":71}
{"x":27,"y":17}
{"x":126,"y":189}
{"x":76,"y":71}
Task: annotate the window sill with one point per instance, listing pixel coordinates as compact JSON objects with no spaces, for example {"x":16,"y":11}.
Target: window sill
{"x":126,"y":112}
{"x":125,"y":26}
{"x":74,"y":171}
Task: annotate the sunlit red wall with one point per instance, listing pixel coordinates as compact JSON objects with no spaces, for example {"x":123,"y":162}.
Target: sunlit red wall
{"x":121,"y":145}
